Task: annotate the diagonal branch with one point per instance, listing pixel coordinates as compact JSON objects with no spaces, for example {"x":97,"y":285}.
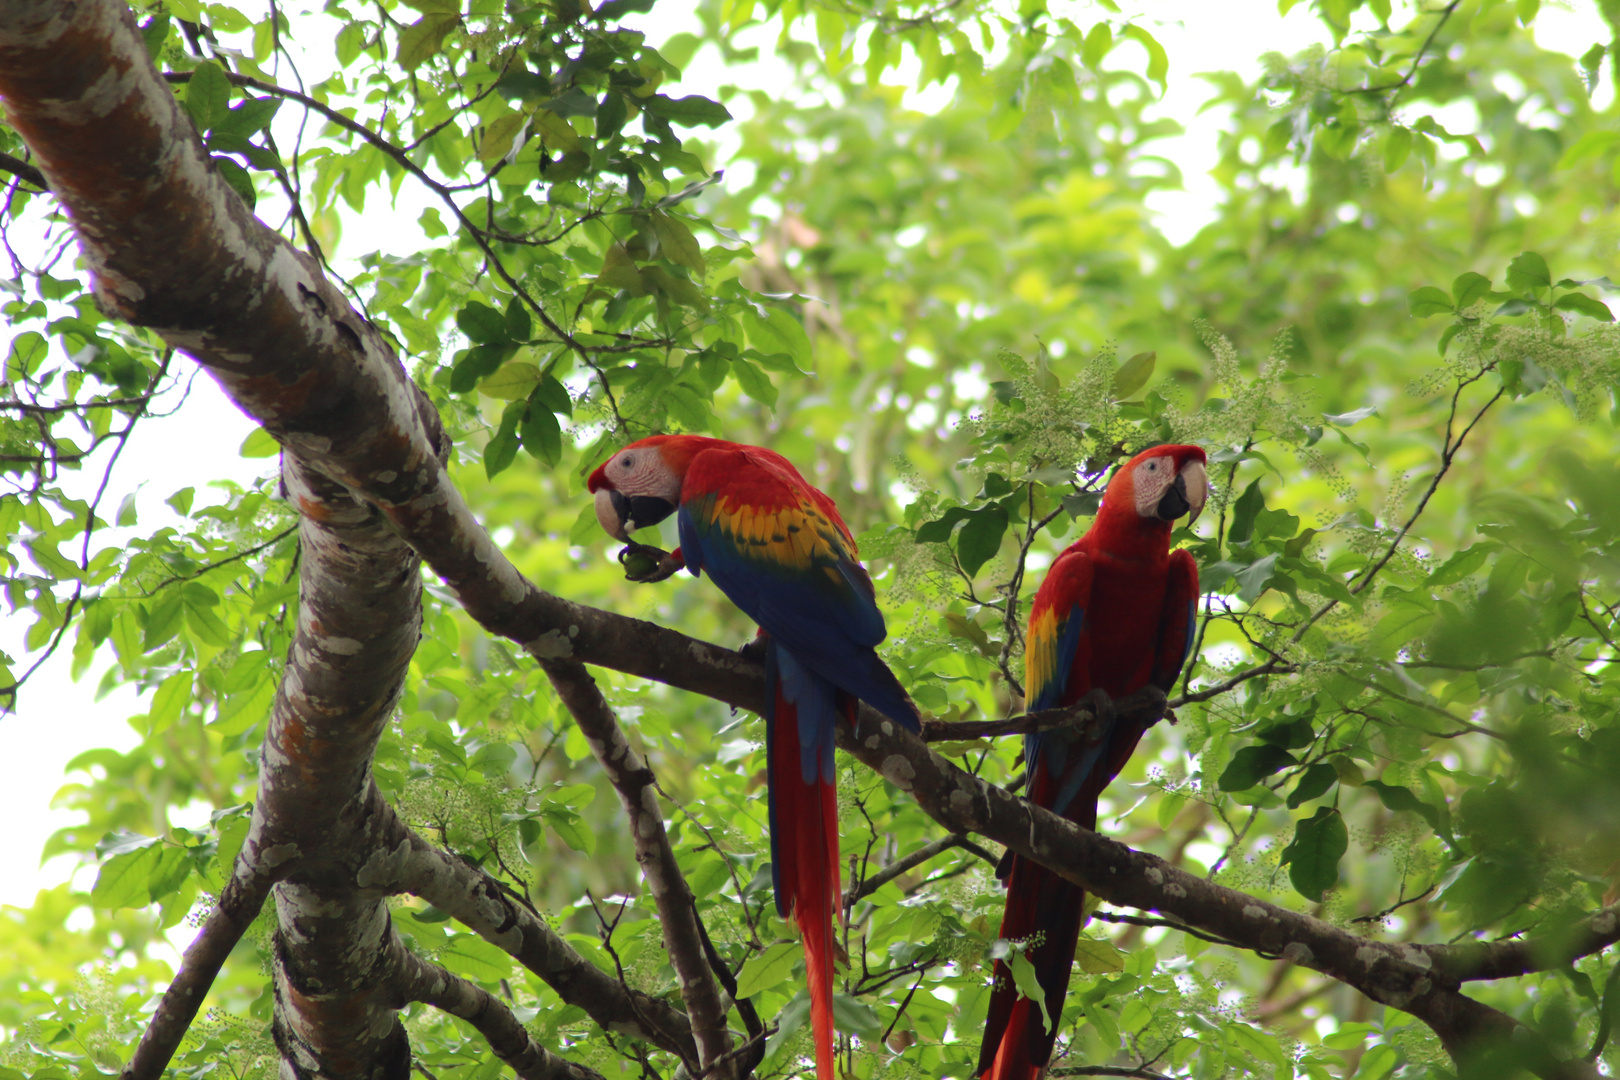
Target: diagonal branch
{"x":239,"y":904}
{"x":630,"y":776}
{"x":910,"y":862}
{"x":410,"y":864}
{"x":423,"y":981}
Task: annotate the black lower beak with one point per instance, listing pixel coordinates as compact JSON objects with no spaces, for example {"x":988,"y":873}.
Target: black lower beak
{"x":640,"y":511}
{"x":1173,"y":503}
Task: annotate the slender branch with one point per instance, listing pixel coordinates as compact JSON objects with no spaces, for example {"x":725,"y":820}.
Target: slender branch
{"x":247,"y":553}
{"x":677,"y":908}
{"x":235,"y":911}
{"x":1148,"y":699}
{"x":1380,"y":916}
{"x":74,"y":406}
{"x":1416,"y":60}
{"x":480,"y":902}
{"x":24,"y":171}
{"x":1140,"y":1071}
{"x":911,"y":862}
{"x":506,"y":1036}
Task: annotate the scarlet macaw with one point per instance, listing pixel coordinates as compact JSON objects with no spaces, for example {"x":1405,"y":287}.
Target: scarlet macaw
{"x":777,"y":547}
{"x":1114,"y":614}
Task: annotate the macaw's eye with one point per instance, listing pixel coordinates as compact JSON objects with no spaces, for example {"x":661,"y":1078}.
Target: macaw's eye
{"x":626,"y":461}
{"x":1153,"y":466}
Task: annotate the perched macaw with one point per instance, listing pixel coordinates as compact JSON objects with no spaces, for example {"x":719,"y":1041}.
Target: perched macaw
{"x":1114,"y":614}
{"x":777,"y":547}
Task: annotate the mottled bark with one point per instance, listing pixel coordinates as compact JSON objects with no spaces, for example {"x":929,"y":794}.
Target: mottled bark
{"x":495,"y":1022}
{"x":408,"y":863}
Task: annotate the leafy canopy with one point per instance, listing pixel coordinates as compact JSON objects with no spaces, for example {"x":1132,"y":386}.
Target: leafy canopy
{"x":1394,"y":338}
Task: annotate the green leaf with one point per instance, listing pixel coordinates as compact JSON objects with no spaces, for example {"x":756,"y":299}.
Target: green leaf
{"x":172,"y":697}
{"x":1397,"y":147}
{"x":519,"y":326}
{"x":767,"y":970}
{"x":125,"y":880}
{"x":567,"y":825}
{"x":1253,"y":764}
{"x":1244,"y":511}
{"x":779,"y":333}
{"x":204,"y":624}
{"x":260,"y":444}
{"x":677,"y":243}
{"x":208,"y":95}
{"x":1428,"y":301}
{"x":1463,"y":564}
{"x":249,"y":117}
{"x":1023,"y":976}
{"x":1313,"y":783}
{"x":939,"y":530}
{"x":1350,"y":419}
{"x":423,"y":38}
{"x":473,"y":958}
{"x":1133,"y":374}
{"x":478,"y":362}
{"x":540,"y":432}
{"x":1469,"y":289}
{"x":1313,"y":855}
{"x":1592,"y":146}
{"x":502,"y":447}
{"x":482,"y":324}
{"x":1253,"y":579}
{"x":163,"y":619}
{"x":1099,"y":40}
{"x":1582,"y":304}
{"x":238,"y":179}
{"x":980,"y":538}
{"x":1528,"y":274}
{"x":690,"y":111}
{"x":754,"y":382}
{"x":1097,"y":957}
{"x":512,"y":381}
{"x":1158,"y":65}
{"x":1399,"y":798}
{"x":554,"y":395}
{"x":498,"y":136}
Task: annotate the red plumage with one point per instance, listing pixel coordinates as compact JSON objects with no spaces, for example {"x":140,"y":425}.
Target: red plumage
{"x":777,"y":547}
{"x":1114,"y":614}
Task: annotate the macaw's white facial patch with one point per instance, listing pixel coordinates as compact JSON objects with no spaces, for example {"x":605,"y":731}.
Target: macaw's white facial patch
{"x":643,"y":471}
{"x":1150,"y":480}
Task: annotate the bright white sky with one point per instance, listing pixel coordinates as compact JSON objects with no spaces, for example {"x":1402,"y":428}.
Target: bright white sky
{"x":59,"y":718}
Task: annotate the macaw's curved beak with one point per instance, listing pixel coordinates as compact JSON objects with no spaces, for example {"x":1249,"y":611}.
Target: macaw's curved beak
{"x":622,"y":514}
{"x":1186,"y":494}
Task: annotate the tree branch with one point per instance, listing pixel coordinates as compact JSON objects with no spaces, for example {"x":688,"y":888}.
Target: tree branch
{"x":238,"y":906}
{"x":911,"y":862}
{"x":408,"y":863}
{"x":432,"y":984}
{"x":627,"y":771}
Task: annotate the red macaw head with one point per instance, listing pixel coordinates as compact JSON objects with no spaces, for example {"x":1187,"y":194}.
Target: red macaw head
{"x":641,"y":484}
{"x":1161,"y":483}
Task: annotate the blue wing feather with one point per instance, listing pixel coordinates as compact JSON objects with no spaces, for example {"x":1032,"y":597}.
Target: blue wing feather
{"x":827,"y":620}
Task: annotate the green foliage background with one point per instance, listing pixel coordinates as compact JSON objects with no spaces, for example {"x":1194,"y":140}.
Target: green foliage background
{"x":926,"y":312}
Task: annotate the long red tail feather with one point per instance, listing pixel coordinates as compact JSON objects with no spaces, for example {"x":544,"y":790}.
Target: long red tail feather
{"x":1017,"y":1044}
{"x":804,"y":841}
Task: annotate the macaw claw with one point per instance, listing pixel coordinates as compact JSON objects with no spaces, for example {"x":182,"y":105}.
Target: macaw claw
{"x":644,"y":563}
